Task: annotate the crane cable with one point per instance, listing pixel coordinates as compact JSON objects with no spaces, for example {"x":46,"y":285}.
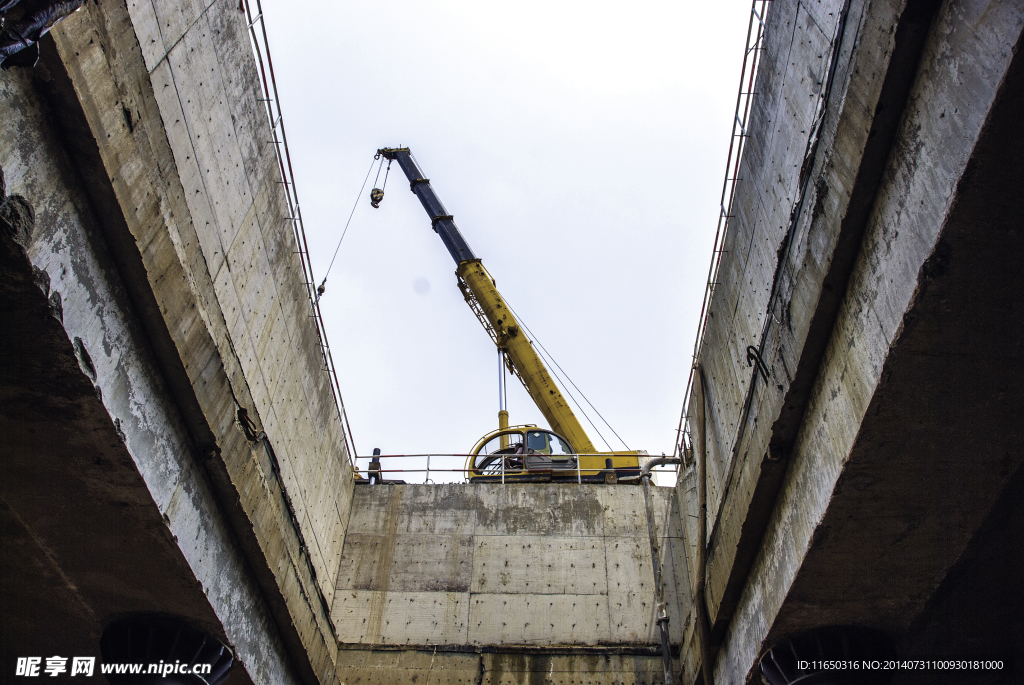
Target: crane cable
{"x":570,"y":382}
{"x":546,"y":356}
{"x":552,"y":359}
{"x":543,"y":353}
{"x":386,"y":172}
{"x":323,"y":284}
{"x":379,"y":165}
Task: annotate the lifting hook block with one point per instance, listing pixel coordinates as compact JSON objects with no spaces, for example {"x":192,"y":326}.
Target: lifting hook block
{"x":376,"y":195}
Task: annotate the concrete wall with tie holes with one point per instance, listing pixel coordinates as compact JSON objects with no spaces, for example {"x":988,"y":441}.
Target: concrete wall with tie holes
{"x":526,"y":566}
{"x":152,"y":219}
{"x":870,"y":266}
{"x":153,"y":297}
{"x":161,"y":223}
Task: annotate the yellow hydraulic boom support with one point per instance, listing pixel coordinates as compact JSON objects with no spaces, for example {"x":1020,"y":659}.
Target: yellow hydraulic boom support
{"x":481,"y":293}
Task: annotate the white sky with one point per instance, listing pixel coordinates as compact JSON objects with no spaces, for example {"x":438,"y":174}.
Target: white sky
{"x":581,"y":148}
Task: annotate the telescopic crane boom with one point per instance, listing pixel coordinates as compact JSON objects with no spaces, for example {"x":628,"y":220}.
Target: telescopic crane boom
{"x":481,"y":293}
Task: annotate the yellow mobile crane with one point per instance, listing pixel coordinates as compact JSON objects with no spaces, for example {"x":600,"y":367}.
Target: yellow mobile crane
{"x":515,"y":453}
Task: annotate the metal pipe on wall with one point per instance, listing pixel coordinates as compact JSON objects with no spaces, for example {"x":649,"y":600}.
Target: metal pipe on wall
{"x":700,"y":601}
{"x":659,"y":590}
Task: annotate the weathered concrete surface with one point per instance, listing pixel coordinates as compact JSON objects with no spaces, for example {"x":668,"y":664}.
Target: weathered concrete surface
{"x":141,"y":144}
{"x":196,"y":98}
{"x":89,"y":533}
{"x":872,"y":260}
{"x":438,"y":667}
{"x":873,"y":270}
{"x":529,"y":565}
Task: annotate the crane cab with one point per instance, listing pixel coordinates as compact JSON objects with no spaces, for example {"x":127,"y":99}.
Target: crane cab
{"x":521,"y":454}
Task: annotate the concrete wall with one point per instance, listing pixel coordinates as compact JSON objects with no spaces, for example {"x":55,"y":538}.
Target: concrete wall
{"x":872,"y":260}
{"x":105,"y":496}
{"x":487,"y":566}
{"x":835,"y":239}
{"x":789,"y":91}
{"x":560,"y":667}
{"x":205,"y":89}
{"x":161,"y":220}
{"x":161,"y":227}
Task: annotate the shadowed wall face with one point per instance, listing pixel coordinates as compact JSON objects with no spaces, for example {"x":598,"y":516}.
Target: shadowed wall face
{"x":161,"y":229}
{"x":870,"y":262}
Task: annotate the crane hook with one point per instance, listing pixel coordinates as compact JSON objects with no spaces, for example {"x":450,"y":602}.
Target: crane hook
{"x":376,"y":195}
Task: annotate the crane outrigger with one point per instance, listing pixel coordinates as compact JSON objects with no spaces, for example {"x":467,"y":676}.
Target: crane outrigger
{"x":515,"y":453}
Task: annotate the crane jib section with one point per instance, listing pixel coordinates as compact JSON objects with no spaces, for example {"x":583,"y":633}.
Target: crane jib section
{"x":440,"y":219}
{"x":508,"y":335}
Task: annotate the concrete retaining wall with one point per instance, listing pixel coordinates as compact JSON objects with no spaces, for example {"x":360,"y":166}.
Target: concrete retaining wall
{"x":141,"y":142}
{"x":475,"y":568}
{"x":847,"y":230}
{"x":487,"y":564}
{"x":107,"y":507}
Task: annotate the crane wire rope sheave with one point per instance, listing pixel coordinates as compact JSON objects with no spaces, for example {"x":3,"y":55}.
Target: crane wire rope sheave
{"x":377,"y":194}
{"x":503,"y":327}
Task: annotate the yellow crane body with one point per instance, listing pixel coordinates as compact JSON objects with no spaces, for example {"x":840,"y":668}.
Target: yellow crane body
{"x":540,"y":456}
{"x":481,"y":293}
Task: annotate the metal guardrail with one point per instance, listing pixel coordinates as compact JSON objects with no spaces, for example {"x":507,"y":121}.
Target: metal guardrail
{"x":744,"y":98}
{"x":426,"y":467}
{"x":261,"y":50}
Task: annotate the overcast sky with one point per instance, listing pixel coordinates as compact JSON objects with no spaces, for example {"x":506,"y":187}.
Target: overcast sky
{"x":581,"y":148}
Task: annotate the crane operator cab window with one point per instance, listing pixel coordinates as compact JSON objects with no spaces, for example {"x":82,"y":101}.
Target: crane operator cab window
{"x":542,"y":442}
{"x":510,"y":442}
{"x":520,"y":451}
{"x":546,"y":451}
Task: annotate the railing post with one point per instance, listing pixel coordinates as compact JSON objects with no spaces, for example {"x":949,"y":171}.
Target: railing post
{"x":503,"y":469}
{"x":579,"y":477}
{"x":375,"y":475}
{"x":427,"y":479}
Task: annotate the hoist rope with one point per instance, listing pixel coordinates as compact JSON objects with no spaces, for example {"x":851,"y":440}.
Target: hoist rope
{"x":320,"y":290}
{"x":570,"y":382}
{"x":572,"y":397}
{"x":379,"y":166}
{"x":386,"y":172}
{"x":545,"y":355}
